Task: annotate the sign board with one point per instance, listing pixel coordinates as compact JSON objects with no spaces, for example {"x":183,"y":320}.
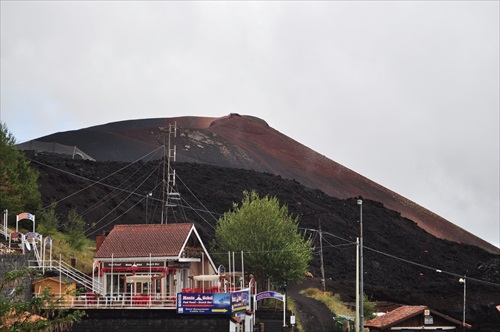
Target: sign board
{"x":240,"y":300}
{"x":133,"y":264}
{"x":212,"y":303}
{"x":203,"y":303}
{"x":269,"y":295}
{"x":179,"y":265}
{"x":428,"y":320}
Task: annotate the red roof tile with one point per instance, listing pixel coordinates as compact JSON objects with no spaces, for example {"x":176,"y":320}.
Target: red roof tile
{"x":126,"y":241}
{"x":396,"y":316}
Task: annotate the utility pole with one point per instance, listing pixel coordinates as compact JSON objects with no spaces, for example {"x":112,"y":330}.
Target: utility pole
{"x":464,"y":281}
{"x":163,"y":184}
{"x":321,"y":255}
{"x":357,"y":285}
{"x":361,"y":291}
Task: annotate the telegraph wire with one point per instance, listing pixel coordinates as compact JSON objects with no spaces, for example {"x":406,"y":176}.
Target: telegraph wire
{"x":87,"y":179}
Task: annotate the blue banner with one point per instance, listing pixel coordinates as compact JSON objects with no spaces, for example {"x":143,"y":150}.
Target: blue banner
{"x":204,"y":303}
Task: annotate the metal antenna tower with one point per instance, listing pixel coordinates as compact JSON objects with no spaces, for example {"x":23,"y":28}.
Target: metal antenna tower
{"x":170,"y":183}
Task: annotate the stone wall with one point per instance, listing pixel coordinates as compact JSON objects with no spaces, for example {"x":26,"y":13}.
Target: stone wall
{"x":15,"y":262}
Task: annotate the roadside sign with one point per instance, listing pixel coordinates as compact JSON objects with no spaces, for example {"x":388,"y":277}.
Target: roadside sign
{"x":203,"y":303}
{"x":212,"y":303}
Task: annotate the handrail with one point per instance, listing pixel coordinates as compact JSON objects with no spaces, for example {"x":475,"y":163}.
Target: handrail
{"x":72,"y":273}
{"x":37,"y":254}
{"x":64,"y":268}
{"x":9,"y":232}
{"x":92,"y":300}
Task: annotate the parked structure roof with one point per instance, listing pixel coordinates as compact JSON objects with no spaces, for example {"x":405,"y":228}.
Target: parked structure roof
{"x":126,"y":241}
{"x":395,"y":316}
{"x":404,"y":313}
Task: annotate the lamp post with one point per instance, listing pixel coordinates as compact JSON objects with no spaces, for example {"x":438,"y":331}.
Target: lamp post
{"x":464,"y":281}
{"x":361,"y":292}
{"x":147,"y":196}
{"x":357,"y":285}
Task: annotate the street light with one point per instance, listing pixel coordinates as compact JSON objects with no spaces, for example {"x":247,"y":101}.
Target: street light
{"x":361,"y":292}
{"x":464,"y":281}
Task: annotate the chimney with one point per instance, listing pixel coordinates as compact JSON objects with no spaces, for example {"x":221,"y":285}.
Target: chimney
{"x":99,"y":239}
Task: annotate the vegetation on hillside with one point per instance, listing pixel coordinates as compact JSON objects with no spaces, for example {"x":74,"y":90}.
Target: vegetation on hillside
{"x":70,"y":244}
{"x":335,"y":304}
{"x":18,"y":182}
{"x":19,"y":192}
{"x":269,"y":238}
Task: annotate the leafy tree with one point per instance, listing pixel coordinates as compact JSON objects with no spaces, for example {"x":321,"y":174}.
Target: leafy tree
{"x":268,"y":236}
{"x":49,"y":221}
{"x":18,"y":182}
{"x":40,"y":313}
{"x":368,"y":308}
{"x":75,"y":229}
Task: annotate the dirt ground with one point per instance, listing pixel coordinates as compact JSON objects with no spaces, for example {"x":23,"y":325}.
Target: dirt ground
{"x":400,"y":259}
{"x":313,"y":315}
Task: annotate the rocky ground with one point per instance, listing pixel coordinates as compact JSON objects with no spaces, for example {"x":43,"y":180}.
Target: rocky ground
{"x":400,"y":258}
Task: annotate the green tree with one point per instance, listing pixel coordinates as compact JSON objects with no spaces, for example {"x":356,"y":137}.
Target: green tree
{"x":368,"y":308}
{"x":268,"y":236}
{"x":40,"y":313}
{"x":49,"y":221}
{"x":75,"y":230}
{"x":18,"y":182}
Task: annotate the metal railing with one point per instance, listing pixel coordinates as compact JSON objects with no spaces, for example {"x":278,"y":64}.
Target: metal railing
{"x":121,"y":301}
{"x":69,"y":272}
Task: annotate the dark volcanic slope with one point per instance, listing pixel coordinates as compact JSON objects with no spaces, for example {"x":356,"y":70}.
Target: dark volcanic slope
{"x":119,"y":197}
{"x":247,"y":142}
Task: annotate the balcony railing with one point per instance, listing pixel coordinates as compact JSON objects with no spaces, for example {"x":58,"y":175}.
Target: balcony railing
{"x":96,"y":301}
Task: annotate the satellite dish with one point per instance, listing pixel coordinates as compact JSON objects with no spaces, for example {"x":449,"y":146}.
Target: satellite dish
{"x":27,"y":245}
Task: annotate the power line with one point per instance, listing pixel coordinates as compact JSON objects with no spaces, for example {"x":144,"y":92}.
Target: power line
{"x":432,"y":268}
{"x":408,"y":261}
{"x":87,"y":179}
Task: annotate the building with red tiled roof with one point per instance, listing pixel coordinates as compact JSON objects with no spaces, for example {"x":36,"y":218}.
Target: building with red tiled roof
{"x":414,"y":318}
{"x":157,"y":260}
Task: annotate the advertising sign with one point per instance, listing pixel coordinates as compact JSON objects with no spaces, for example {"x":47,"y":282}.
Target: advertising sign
{"x":239,"y":300}
{"x":203,"y":303}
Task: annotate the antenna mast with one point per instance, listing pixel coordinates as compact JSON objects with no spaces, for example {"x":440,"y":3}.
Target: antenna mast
{"x":170,"y":183}
{"x":163,"y":190}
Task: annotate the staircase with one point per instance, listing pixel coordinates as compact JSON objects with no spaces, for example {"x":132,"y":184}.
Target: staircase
{"x":69,"y":272}
{"x":36,"y":246}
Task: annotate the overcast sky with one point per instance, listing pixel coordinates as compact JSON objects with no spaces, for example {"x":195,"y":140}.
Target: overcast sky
{"x":404,"y":93}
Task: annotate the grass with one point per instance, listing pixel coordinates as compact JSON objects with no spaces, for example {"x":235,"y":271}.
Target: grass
{"x":333,"y":302}
{"x":62,"y":249}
